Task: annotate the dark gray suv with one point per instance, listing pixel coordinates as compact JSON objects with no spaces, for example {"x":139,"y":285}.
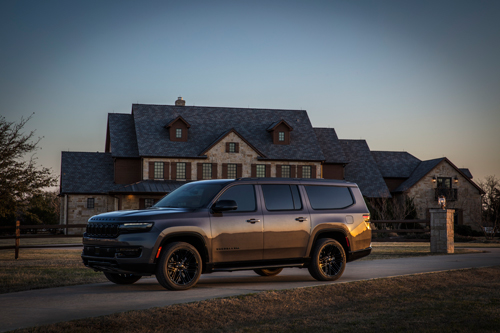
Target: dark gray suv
{"x":260,"y":224}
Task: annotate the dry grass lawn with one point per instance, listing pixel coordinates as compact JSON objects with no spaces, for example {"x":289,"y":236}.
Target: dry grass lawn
{"x":455,"y":301}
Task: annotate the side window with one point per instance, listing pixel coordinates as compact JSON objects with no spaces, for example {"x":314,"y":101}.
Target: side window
{"x":281,"y":197}
{"x":244,"y":195}
{"x":329,"y":197}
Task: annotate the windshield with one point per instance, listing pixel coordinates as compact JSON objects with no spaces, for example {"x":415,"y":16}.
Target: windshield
{"x":191,"y":195}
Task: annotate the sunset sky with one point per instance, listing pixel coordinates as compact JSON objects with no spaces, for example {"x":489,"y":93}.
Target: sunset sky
{"x":415,"y":76}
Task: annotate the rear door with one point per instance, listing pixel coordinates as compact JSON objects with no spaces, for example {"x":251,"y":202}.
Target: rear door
{"x":287,"y":223}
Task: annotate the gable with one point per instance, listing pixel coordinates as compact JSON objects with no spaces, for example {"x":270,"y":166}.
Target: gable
{"x":218,"y":151}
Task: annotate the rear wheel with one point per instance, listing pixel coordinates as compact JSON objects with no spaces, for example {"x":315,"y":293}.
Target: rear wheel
{"x":328,"y":260}
{"x":179,"y":267}
{"x":122,"y":278}
{"x":268,"y":271}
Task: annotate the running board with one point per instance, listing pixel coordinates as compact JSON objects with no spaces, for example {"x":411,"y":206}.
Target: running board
{"x":232,"y":269}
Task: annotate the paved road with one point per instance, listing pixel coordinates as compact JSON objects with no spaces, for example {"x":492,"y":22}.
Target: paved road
{"x":45,"y":306}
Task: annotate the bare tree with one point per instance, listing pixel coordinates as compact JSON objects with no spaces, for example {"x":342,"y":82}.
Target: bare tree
{"x":20,"y":178}
{"x":490,"y":205}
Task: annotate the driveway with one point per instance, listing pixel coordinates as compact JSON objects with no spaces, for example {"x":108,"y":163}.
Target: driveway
{"x":45,"y":306}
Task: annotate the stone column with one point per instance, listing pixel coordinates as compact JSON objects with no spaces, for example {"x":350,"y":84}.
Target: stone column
{"x":442,"y":230}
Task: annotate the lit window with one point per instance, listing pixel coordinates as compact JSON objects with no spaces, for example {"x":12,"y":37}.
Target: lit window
{"x":207,"y":171}
{"x":306,"y":171}
{"x":158,"y":170}
{"x":149,"y":202}
{"x":181,"y":170}
{"x":232,"y":147}
{"x":285,"y":171}
{"x":178,"y":133}
{"x":231,"y":171}
{"x":260,"y":170}
{"x":90,"y":203}
{"x":281,"y":136}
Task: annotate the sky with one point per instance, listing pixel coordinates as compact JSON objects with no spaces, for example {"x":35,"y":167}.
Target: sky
{"x":416,"y":76}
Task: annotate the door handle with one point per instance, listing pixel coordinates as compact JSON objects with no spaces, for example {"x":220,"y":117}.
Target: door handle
{"x":253,"y":221}
{"x":301,"y":219}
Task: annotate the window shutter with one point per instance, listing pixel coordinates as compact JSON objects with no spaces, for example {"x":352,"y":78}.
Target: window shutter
{"x":142,"y":203}
{"x":151,"y":170}
{"x":254,"y":170}
{"x":293,"y":171}
{"x":227,"y":147}
{"x":313,"y":171}
{"x":165,"y":170}
{"x":188,"y":170}
{"x":173,"y":171}
{"x":200,"y":171}
{"x":278,"y":171}
{"x":214,"y":170}
{"x":239,"y":170}
{"x":299,"y":171}
{"x":237,"y":147}
{"x":224,"y":170}
{"x":268,"y":170}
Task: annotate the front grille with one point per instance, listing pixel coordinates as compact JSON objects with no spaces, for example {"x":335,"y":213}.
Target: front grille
{"x":102,"y":230}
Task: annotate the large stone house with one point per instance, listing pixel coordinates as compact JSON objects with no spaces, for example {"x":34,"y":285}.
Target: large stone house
{"x":157,"y":148}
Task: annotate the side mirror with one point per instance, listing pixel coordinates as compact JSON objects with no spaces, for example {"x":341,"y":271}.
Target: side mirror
{"x":224,"y":205}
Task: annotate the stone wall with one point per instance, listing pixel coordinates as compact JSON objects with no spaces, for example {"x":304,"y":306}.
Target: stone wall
{"x":468,"y":202}
{"x":442,"y":233}
{"x":217,"y":154}
{"x":77,"y":212}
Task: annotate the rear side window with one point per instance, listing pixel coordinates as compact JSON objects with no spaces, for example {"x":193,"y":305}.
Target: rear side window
{"x":329,"y":197}
{"x":244,"y":195}
{"x":281,"y":197}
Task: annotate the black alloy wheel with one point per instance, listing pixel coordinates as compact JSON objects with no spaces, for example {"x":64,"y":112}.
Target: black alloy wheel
{"x":268,"y":271}
{"x":328,"y":260}
{"x":179,"y":267}
{"x":120,"y":278}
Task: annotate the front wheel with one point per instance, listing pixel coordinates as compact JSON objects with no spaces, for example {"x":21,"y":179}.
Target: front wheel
{"x":122,"y":278}
{"x":179,"y":267}
{"x":268,"y":271}
{"x":328,"y":260}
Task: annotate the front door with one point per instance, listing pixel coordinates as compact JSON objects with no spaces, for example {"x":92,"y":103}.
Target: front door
{"x":237,"y":234}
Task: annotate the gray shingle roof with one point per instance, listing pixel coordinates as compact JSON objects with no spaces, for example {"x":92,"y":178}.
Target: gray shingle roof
{"x":208,"y":123}
{"x":395,"y":164}
{"x":362,"y":169}
{"x":122,"y":136}
{"x":420,"y":171}
{"x":466,"y":172}
{"x":330,"y":145}
{"x":86,"y":172}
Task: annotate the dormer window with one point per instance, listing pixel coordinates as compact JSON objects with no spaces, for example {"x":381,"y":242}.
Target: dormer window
{"x":280,"y":131}
{"x":178,"y":129}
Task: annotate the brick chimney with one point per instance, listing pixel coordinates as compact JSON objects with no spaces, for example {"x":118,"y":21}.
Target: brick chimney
{"x":180,"y":102}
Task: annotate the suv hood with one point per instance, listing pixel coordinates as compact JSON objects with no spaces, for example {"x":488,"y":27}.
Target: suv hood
{"x":140,"y":214}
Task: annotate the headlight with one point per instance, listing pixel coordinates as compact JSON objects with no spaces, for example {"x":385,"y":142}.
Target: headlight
{"x":135,"y":227}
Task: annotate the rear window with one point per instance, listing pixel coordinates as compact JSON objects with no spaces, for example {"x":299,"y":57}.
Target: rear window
{"x":329,"y":197}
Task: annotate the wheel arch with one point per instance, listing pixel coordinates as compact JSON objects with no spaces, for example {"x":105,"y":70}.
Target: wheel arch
{"x":337,"y":234}
{"x":192,"y":238}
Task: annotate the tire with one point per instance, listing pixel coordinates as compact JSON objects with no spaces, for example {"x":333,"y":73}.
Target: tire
{"x":122,"y":278}
{"x":179,"y":267}
{"x":328,"y":260}
{"x":268,"y":271}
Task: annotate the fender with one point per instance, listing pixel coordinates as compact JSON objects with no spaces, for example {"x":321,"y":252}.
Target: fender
{"x":326,"y":228}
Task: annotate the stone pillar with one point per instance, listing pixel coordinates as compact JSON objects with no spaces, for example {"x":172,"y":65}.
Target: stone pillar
{"x":442,"y":230}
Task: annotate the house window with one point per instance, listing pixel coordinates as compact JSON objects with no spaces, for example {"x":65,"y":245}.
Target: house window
{"x":148,"y":202}
{"x":281,"y":136}
{"x":285,"y":171}
{"x":232,"y":147}
{"x":90,"y":203}
{"x":306,"y":171}
{"x":178,"y":133}
{"x":231,"y":171}
{"x":444,"y":182}
{"x":158,"y":170}
{"x":207,"y":171}
{"x":444,"y":189}
{"x":260,"y":170}
{"x":180,"y":170}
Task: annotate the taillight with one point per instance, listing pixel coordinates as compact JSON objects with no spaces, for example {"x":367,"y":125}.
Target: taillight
{"x":366,"y":218}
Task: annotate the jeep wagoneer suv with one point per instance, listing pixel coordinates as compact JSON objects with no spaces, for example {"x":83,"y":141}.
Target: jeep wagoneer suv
{"x":260,"y":224}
